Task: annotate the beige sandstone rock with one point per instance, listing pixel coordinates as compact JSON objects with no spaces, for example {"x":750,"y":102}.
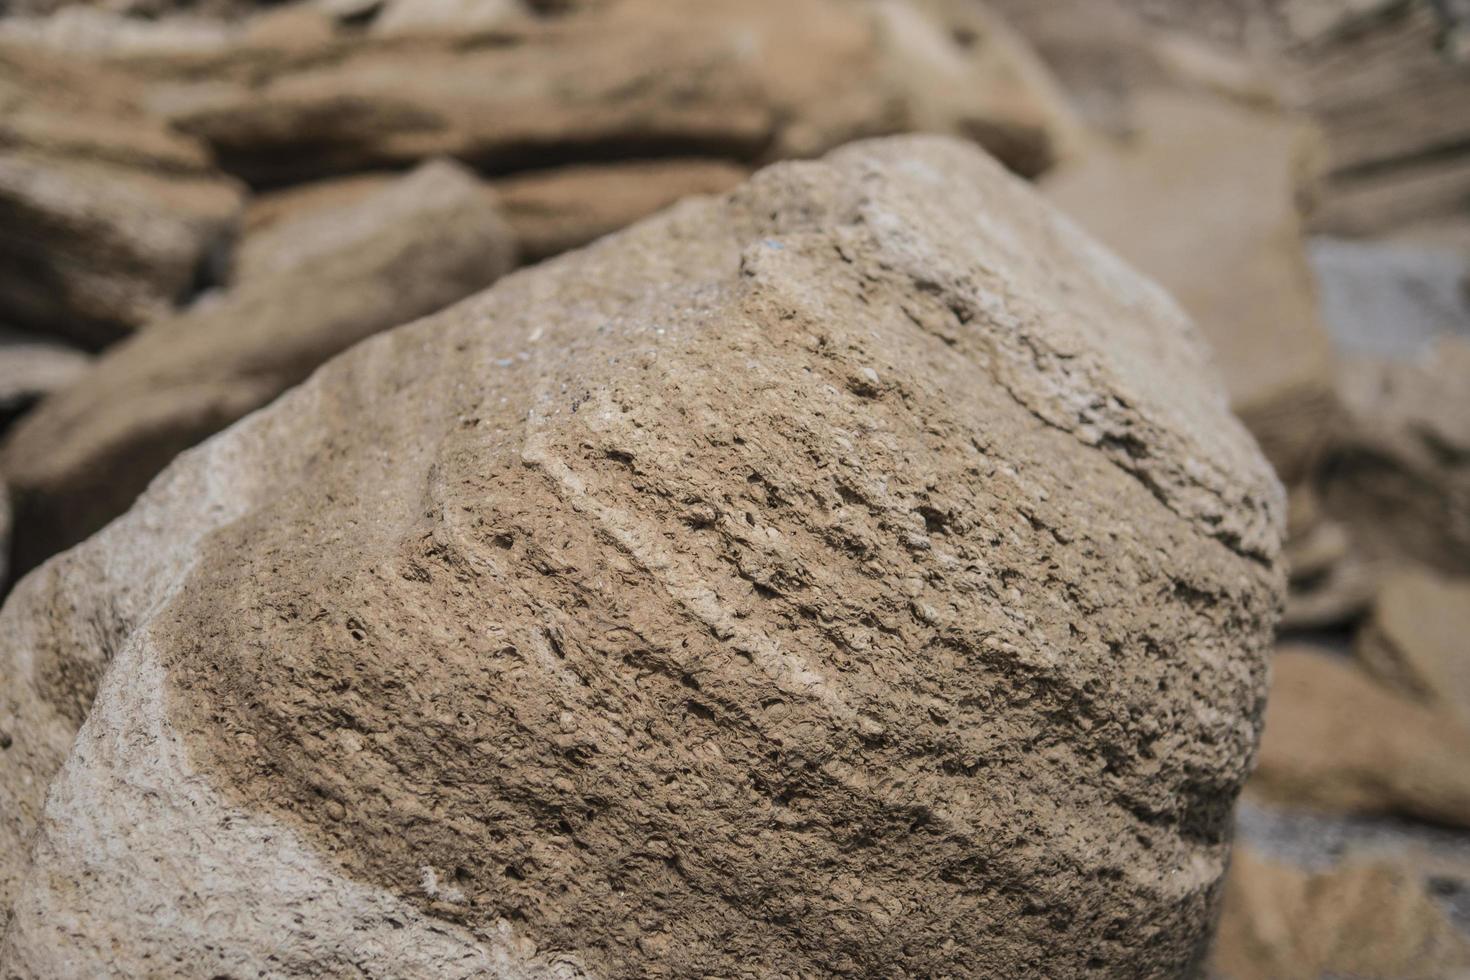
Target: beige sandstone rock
{"x":746,"y":80}
{"x":1363,"y":920}
{"x":32,"y":367}
{"x":1206,"y":201}
{"x":860,"y":573}
{"x":553,"y":211}
{"x":107,"y":219}
{"x":1335,"y":739}
{"x":1397,"y":474}
{"x":1417,"y":639}
{"x":322,"y":284}
{"x":550,"y":211}
{"x":1105,"y":54}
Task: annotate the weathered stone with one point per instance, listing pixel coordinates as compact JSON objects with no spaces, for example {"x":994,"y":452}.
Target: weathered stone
{"x":747,"y":80}
{"x":328,"y":281}
{"x":107,"y":219}
{"x":1206,"y":201}
{"x":1418,"y":639}
{"x":1334,"y":739}
{"x":859,"y":573}
{"x":1358,"y":920}
{"x":1397,"y":475}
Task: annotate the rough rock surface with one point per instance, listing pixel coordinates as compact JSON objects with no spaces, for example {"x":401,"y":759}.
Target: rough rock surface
{"x":1418,"y":639}
{"x":1361,"y":920}
{"x":107,"y":219}
{"x":748,"y":80}
{"x":331,"y":279}
{"x":1206,"y":201}
{"x":860,"y":573}
{"x":1398,"y":473}
{"x":1336,"y":740}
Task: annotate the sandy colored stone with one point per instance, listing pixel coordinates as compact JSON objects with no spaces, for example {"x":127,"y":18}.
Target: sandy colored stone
{"x":1396,"y":475}
{"x":323,"y":284}
{"x":552,"y":211}
{"x":107,"y":219}
{"x":860,"y":573}
{"x":1357,"y":920}
{"x":1417,"y":639}
{"x":430,"y":16}
{"x":1205,"y":200}
{"x":746,"y":80}
{"x":32,"y":367}
{"x":1106,"y":53}
{"x":1335,"y":739}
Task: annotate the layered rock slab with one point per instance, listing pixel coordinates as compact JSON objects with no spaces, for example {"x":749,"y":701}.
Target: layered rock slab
{"x":752,"y":81}
{"x":860,"y":572}
{"x":108,"y":220}
{"x":314,"y":287}
{"x":1336,"y":740}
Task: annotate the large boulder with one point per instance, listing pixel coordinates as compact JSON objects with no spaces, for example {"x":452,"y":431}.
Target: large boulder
{"x":859,"y":573}
{"x":108,"y":220}
{"x":749,"y":80}
{"x":328,"y":279}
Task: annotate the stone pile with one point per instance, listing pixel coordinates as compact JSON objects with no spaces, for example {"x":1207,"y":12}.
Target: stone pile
{"x":829,"y":557}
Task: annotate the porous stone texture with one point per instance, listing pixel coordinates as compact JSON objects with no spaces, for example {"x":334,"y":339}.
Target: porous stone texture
{"x":315,"y":287}
{"x":1336,"y":740}
{"x":747,"y":80}
{"x":858,"y":574}
{"x":1206,"y":199}
{"x":108,"y":220}
{"x":1417,"y":639}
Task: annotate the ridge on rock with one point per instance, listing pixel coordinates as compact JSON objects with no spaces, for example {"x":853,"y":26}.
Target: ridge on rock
{"x":857,"y":573}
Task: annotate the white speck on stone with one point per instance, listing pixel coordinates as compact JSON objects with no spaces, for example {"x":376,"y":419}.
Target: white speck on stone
{"x":429,"y":878}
